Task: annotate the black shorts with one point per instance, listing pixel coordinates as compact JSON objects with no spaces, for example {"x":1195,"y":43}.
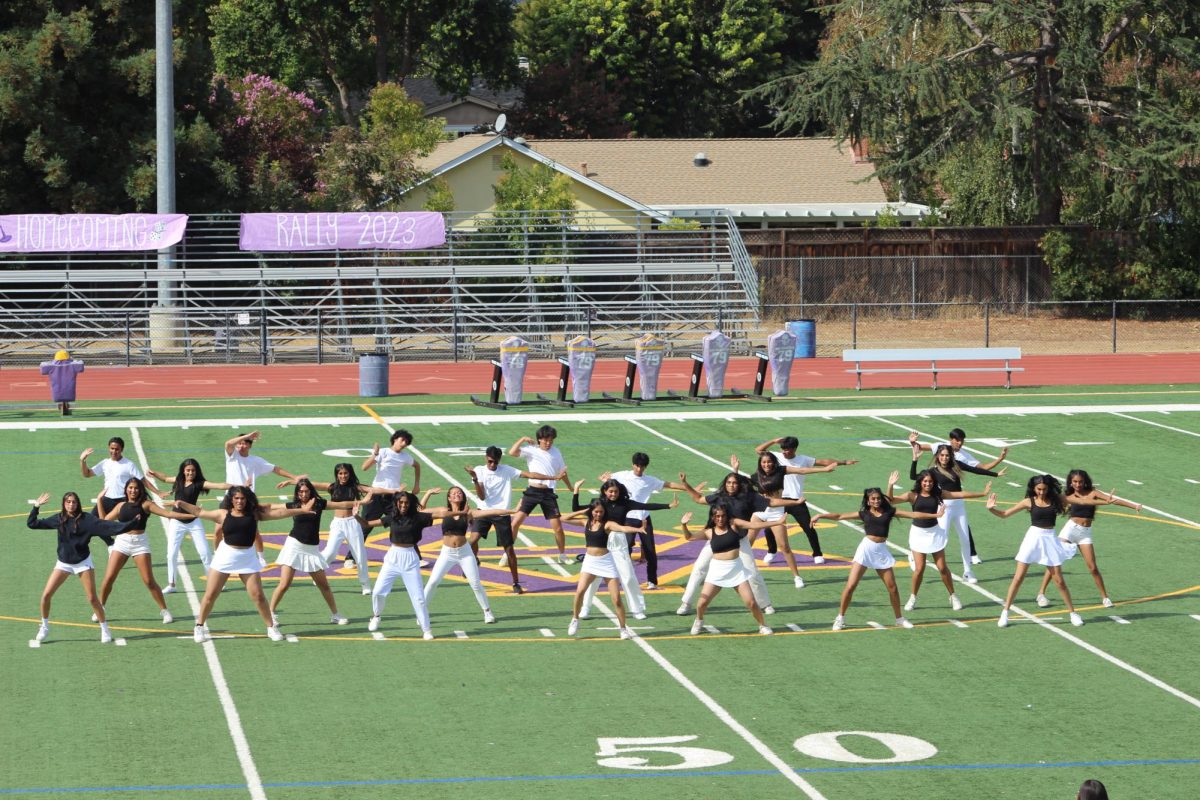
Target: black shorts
{"x":536,"y":496}
{"x":503,"y":525}
{"x":107,"y":504}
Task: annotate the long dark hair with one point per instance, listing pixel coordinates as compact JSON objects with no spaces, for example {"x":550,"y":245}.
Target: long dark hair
{"x":592,"y":506}
{"x":304,"y":482}
{"x":413,"y":504}
{"x":181,"y":481}
{"x":1093,"y":790}
{"x":936,"y":491}
{"x":719,"y":506}
{"x":351,"y":489}
{"x":63,"y":516}
{"x":253,"y":507}
{"x":622,"y":492}
{"x":450,"y":503}
{"x":142,"y":496}
{"x":1053,"y":489}
{"x":884,"y":505}
{"x":742,"y":480}
{"x":1088,"y":488}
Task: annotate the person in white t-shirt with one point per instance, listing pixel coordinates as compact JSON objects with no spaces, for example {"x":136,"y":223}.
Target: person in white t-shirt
{"x":241,"y":469}
{"x":544,"y":459}
{"x":493,"y":486}
{"x":389,"y":464}
{"x":116,"y":470}
{"x":640,"y":486}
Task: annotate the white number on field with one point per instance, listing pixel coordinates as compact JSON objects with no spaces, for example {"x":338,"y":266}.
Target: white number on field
{"x":622,"y":753}
{"x":349,"y":452}
{"x":828,"y":746}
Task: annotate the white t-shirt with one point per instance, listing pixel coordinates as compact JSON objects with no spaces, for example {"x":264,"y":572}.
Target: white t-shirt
{"x":390,"y":466}
{"x":116,"y":475}
{"x":959,"y":455}
{"x":242,"y":470}
{"x":497,"y":485}
{"x":640,"y":488}
{"x":793,"y":485}
{"x":545,"y":462}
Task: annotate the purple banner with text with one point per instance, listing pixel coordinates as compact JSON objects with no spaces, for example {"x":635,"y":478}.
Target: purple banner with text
{"x":379,"y":230}
{"x":89,"y":233}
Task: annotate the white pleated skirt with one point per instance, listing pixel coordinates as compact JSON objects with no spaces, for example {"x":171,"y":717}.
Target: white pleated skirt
{"x":301,"y":557}
{"x":874,"y":555}
{"x":727,"y":574}
{"x":927,"y":540}
{"x":235,"y":560}
{"x":600,"y":566}
{"x":1042,"y":546}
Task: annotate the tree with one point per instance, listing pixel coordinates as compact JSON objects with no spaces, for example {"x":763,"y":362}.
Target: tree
{"x":571,"y":101}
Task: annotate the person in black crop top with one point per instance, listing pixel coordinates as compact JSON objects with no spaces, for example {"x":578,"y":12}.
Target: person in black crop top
{"x":348,"y":526}
{"x":1078,"y":529}
{"x":302,"y":552}
{"x":237,"y":552}
{"x":598,"y":562}
{"x":768,"y":481}
{"x":876,"y":515}
{"x":724,"y":534}
{"x":187,"y":485}
{"x":135,"y":511}
{"x":457,"y":550}
{"x":926,"y":537}
{"x":948,"y":470}
{"x":75,"y":529}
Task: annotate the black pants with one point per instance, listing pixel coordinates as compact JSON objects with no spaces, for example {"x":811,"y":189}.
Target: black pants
{"x":803,"y":517}
{"x":649,"y":553}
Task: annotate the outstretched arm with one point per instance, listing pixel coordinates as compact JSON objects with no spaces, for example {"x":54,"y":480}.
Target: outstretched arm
{"x":1112,"y":499}
{"x":992,"y":464}
{"x":767,"y":445}
{"x":217,"y":516}
{"x":839,"y":462}
{"x":1008,"y":512}
{"x":515,"y":450}
{"x":835,"y":516}
{"x":33,"y":523}
{"x":155,"y":508}
{"x":233,"y":443}
{"x":964,"y":495}
{"x":829,"y":466}
{"x":369,"y":461}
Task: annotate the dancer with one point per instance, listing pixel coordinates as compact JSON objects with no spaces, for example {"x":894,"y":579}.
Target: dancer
{"x":116,"y":469}
{"x":456,"y":549}
{"x":876,"y":515}
{"x":187,"y":485}
{"x":948,"y":473}
{"x":640,"y":486}
{"x":728,"y":570}
{"x":346,"y":488}
{"x":793,"y":487}
{"x":619,"y":509}
{"x":492,"y":483}
{"x":75,"y":529}
{"x":598,"y":563}
{"x":925,"y":536}
{"x":389,"y":465}
{"x":1044,"y":501}
{"x":406,"y":521}
{"x":544,"y":459}
{"x":1078,"y":529}
{"x":241,"y":469}
{"x":236,"y":553}
{"x":770,"y":480}
{"x":135,"y":510}
{"x":301,"y":552}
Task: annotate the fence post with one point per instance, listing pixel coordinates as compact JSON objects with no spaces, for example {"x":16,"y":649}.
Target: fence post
{"x":262,"y":336}
{"x":1026,"y":287}
{"x":454,"y":334}
{"x":801,"y":287}
{"x":319,"y":332}
{"x":912,"y":267}
{"x":1114,"y":326}
{"x":128,"y":341}
{"x":228,"y":336}
{"x":987,"y":324}
{"x":854,"y":326}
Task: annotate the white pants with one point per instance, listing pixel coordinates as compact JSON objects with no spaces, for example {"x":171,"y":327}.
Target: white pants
{"x":746,"y":555}
{"x":347,"y":528}
{"x":955,"y":521}
{"x":401,"y":562}
{"x":176,"y":531}
{"x":463,"y":557}
{"x":618,"y":547}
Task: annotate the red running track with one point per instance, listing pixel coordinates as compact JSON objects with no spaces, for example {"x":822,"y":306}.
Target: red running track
{"x":424,"y":378}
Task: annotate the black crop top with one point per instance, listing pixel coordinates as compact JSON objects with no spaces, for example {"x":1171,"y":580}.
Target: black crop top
{"x":455,"y":526}
{"x":950,"y":482}
{"x":742,"y":505}
{"x":135,"y":515}
{"x":928,"y":505}
{"x":306,"y":528}
{"x":342,"y":492}
{"x":726,"y":541}
{"x":1081,"y":510}
{"x":618,"y":510}
{"x":406,"y":531}
{"x":240,"y":531}
{"x":877,"y":526}
{"x":598,"y":538}
{"x":1042,"y":516}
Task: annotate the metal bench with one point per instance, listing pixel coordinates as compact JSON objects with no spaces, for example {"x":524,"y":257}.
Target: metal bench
{"x":934,"y":356}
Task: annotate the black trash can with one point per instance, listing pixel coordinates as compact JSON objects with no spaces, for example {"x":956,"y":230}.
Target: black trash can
{"x":373,"y":375}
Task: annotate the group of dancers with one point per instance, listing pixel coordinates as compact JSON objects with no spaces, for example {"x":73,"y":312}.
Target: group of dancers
{"x":742,"y":507}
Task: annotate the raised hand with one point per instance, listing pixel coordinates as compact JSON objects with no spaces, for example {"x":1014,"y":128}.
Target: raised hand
{"x":674,"y":500}
{"x":892,"y":478}
{"x":575,"y":488}
{"x":44,"y":496}
{"x":605,"y":476}
{"x":987,"y":487}
{"x":1001,"y":472}
{"x":375,"y":450}
{"x":736,"y":463}
{"x":913,"y":436}
{"x":283,"y":483}
{"x":84,"y":455}
{"x":991,"y":501}
{"x":686,"y":518}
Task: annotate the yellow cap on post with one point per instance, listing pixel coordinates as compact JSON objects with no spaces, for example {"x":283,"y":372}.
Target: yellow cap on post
{"x":62,"y":355}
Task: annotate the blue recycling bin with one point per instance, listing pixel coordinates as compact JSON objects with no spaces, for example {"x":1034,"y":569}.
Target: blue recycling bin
{"x":373,"y":375}
{"x":805,"y":331}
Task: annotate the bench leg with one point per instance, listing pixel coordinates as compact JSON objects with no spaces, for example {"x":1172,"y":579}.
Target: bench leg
{"x":933,"y":367}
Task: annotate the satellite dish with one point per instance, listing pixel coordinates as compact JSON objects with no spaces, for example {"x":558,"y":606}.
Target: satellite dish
{"x":501,"y":122}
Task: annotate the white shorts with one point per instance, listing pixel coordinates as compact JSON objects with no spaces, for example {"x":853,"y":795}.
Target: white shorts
{"x":1041,"y":546}
{"x":132,"y":544}
{"x":927,"y":540}
{"x":235,"y":560}
{"x":75,"y":569}
{"x":727,"y":574}
{"x":301,"y":557}
{"x":772,"y":514}
{"x":874,"y":555}
{"x":1075,"y":533}
{"x":600,"y":566}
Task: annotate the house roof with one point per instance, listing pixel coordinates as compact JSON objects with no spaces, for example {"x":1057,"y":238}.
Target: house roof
{"x":434,"y":99}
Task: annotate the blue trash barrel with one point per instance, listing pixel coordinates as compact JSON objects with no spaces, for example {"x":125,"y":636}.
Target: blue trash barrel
{"x":373,"y":375}
{"x":805,"y":331}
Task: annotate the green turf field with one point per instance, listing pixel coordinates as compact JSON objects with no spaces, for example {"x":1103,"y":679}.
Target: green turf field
{"x":955,"y":708}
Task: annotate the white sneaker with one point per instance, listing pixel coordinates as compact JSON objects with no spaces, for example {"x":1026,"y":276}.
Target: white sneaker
{"x":1003,"y":621}
{"x":769,"y":610}
{"x":106,"y":637}
{"x":366,"y":590}
{"x":427,"y":635}
{"x":763,"y":630}
{"x":912,"y":603}
{"x":1076,"y":620}
{"x":818,"y":559}
{"x":349,"y":563}
{"x":640,"y":615}
{"x":955,"y":603}
{"x":683,"y":610}
{"x":274,"y":634}
{"x":503,"y":562}
{"x":169,"y":589}
{"x":338,"y":619}
{"x":166,"y":617}
{"x":648,"y":586}
{"x":200,"y":634}
{"x":626,"y":633}
{"x":565,"y":559}
{"x":373,"y":625}
{"x":488,"y":617}
{"x":1106,"y":602}
{"x":43,"y":632}
{"x":573,"y":626}
{"x":585,"y":612}
{"x":839,"y":622}
{"x":969,"y":577}
{"x":1043,"y":601}
{"x":799,"y":582}
{"x":697,"y":627}
{"x":768,"y":558}
{"x":976,"y":560}
{"x":903,"y":623}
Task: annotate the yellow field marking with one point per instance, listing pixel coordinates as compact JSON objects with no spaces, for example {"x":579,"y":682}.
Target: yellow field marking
{"x":372,"y":413}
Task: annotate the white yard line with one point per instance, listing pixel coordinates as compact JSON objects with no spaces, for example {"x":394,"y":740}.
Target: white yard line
{"x":241,"y":745}
{"x":1155,"y":424}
